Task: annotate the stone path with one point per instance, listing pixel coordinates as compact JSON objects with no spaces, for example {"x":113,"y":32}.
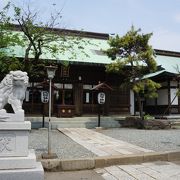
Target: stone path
{"x":147,"y":171}
{"x":73,"y":175}
{"x":100,"y":144}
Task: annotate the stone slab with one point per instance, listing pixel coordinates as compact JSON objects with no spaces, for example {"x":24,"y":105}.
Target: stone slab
{"x":36,"y":173}
{"x":19,"y":162}
{"x":108,"y":176}
{"x":77,"y":164}
{"x":74,"y":175}
{"x":174,"y":156}
{"x":118,"y":173}
{"x":160,"y":170}
{"x":156,"y":156}
{"x":25,"y":125}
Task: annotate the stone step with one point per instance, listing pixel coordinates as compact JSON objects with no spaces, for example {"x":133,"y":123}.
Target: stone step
{"x":76,"y":119}
{"x":89,"y":124}
{"x":76,"y":124}
{"x":36,"y":173}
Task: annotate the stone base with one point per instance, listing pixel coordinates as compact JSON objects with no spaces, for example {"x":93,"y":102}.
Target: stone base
{"x":16,"y":161}
{"x":14,"y":138}
{"x":19,"y":162}
{"x":36,"y":173}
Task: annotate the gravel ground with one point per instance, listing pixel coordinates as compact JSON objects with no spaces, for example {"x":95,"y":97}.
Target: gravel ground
{"x":63,"y":146}
{"x":157,"y":140}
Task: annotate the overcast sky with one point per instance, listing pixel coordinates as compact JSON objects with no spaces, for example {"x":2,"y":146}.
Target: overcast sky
{"x":162,"y":17}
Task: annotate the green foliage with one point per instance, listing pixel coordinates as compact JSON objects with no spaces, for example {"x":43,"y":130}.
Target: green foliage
{"x":133,"y":58}
{"x":147,"y":117}
{"x":42,"y":38}
{"x":133,"y":50}
{"x":116,"y":67}
{"x":178,"y":93}
{"x":9,"y":64}
{"x":7,"y":38}
{"x":147,"y":88}
{"x":38,"y":38}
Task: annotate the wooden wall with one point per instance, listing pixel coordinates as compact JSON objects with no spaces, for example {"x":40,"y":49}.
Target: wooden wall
{"x":91,"y":75}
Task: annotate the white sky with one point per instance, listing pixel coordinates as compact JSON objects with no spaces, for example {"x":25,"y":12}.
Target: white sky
{"x":162,"y":17}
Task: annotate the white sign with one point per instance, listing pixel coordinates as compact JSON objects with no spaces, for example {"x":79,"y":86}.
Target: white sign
{"x":87,"y":97}
{"x":44,"y":96}
{"x":27,"y":96}
{"x":101,"y":98}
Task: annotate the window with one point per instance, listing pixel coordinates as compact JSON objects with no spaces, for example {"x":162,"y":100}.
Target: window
{"x":87,"y":97}
{"x":90,"y":97}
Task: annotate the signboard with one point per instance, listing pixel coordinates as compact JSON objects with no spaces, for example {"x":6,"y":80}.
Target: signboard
{"x":44,"y":96}
{"x":101,"y":98}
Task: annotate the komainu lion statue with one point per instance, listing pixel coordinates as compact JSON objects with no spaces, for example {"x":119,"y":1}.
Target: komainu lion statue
{"x":12,"y":90}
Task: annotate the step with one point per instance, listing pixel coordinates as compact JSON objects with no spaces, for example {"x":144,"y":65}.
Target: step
{"x":113,"y":124}
{"x":88,"y":125}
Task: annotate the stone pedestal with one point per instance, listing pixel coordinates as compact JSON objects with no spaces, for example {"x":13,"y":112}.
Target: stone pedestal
{"x":17,"y":162}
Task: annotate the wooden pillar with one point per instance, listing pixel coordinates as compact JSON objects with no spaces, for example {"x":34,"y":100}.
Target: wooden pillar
{"x":106,"y":105}
{"x":32,"y":102}
{"x":169,"y":97}
{"x":78,"y":98}
{"x":156,"y":106}
{"x":178,"y":86}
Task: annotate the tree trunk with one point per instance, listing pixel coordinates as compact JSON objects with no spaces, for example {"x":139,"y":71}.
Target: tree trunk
{"x":26,"y":58}
{"x":140,"y":124}
{"x":140,"y":106}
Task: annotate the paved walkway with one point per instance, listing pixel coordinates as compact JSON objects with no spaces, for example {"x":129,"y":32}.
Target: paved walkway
{"x":100,"y":144}
{"x":73,"y":175}
{"x":147,"y":171}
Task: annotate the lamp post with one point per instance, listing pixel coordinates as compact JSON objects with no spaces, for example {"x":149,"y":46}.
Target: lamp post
{"x":51,"y":73}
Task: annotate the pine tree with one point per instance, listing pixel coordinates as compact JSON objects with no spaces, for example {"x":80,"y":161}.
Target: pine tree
{"x":134,"y":58}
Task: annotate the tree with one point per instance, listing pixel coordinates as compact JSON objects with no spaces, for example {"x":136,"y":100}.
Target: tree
{"x":7,"y":38}
{"x":42,"y":38}
{"x":134,"y":58}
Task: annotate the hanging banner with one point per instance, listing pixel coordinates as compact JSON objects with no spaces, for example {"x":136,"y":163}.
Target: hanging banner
{"x":101,"y":98}
{"x":44,"y":96}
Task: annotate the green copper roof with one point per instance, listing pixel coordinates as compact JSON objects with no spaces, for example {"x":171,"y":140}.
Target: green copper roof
{"x":170,"y":64}
{"x":153,"y":74}
{"x":92,"y":52}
